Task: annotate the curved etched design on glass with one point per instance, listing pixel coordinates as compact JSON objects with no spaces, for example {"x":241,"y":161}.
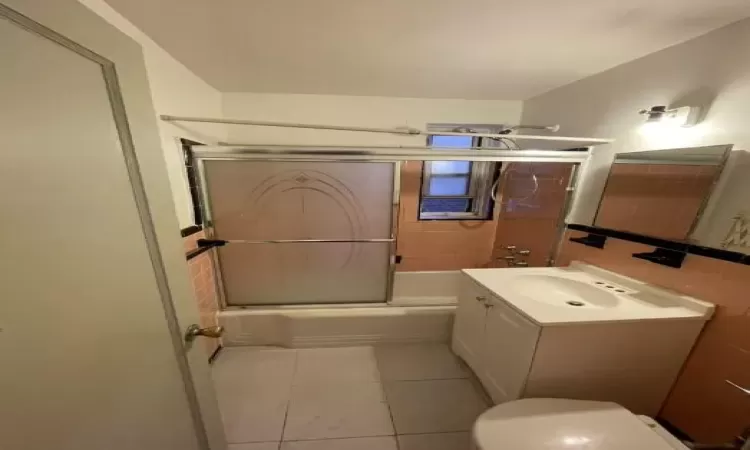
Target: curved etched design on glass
{"x":306,"y":183}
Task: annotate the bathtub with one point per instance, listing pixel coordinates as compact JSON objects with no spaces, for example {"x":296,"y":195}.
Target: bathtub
{"x":421,"y":310}
{"x":426,"y":288}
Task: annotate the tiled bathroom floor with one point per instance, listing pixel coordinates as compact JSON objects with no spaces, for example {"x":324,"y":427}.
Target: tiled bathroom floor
{"x":394,"y":397}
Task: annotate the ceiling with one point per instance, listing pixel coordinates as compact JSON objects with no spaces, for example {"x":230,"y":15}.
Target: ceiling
{"x":472,"y":49}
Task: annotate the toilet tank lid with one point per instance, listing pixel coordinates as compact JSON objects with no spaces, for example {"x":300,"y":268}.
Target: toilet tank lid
{"x":550,"y":424}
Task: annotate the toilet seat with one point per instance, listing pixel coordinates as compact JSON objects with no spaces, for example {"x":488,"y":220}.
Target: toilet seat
{"x":549,"y":424}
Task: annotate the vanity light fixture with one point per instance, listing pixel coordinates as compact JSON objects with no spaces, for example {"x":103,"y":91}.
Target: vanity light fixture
{"x":684,"y":116}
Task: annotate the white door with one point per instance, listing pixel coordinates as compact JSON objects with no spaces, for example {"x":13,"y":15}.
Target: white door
{"x":94,"y":292}
{"x":468,"y":326}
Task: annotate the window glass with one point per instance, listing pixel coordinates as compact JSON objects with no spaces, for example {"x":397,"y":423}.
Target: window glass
{"x":456,"y":190}
{"x":446,"y":205}
{"x":452,"y":141}
{"x":450,"y":167}
{"x":449,"y":185}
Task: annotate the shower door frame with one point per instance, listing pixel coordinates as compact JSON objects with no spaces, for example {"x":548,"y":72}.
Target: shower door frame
{"x":335,"y":154}
{"x":205,"y":205}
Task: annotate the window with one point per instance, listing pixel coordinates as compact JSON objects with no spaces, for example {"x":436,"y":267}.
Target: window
{"x":456,"y":190}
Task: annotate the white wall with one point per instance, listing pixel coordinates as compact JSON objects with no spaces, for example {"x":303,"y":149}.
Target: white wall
{"x":175,"y":90}
{"x":383,"y":112}
{"x":712,"y":71}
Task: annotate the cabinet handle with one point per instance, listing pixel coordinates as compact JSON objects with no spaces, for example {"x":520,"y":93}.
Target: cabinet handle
{"x":481,"y":298}
{"x":489,"y":305}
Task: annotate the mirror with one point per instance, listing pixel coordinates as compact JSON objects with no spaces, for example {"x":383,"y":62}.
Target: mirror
{"x":660,"y":193}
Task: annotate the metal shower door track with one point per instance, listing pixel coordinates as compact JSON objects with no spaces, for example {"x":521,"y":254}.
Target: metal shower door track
{"x":383,"y":154}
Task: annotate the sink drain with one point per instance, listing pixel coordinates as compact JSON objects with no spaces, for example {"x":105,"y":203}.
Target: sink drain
{"x":575,"y":303}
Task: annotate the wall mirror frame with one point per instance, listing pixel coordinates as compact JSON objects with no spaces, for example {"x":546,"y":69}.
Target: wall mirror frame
{"x":661,"y":193}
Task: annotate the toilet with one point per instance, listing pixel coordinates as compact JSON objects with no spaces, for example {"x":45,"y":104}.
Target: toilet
{"x":550,"y":424}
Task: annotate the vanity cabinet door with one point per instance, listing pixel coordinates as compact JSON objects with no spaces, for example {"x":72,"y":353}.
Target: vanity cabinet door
{"x":510,"y":342}
{"x":468,"y":326}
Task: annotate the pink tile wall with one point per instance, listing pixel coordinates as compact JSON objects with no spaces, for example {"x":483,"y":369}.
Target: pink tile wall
{"x":529,"y":219}
{"x":701,"y":404}
{"x":525,"y":217}
{"x":190,"y":242}
{"x":437,"y":245}
{"x":204,"y":289}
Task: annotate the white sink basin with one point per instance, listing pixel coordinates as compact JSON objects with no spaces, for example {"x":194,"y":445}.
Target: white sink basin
{"x":565,"y":292}
{"x":582,"y":293}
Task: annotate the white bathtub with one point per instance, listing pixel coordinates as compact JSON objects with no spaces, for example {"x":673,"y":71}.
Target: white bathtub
{"x":421,"y":310}
{"x":426,"y":288}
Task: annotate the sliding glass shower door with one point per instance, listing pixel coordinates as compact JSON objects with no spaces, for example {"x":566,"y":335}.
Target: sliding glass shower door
{"x":272,"y":212}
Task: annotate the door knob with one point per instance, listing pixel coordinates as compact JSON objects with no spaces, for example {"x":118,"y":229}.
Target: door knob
{"x":194,"y":330}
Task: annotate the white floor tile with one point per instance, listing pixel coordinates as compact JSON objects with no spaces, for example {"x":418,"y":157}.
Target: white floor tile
{"x":418,"y":362}
{"x":435,"y":441}
{"x":433,"y":406}
{"x":254,"y":416}
{"x":333,"y":365}
{"x":338,"y":410}
{"x":245,"y":365}
{"x":253,"y":388}
{"x":366,"y":443}
{"x":255,"y":446}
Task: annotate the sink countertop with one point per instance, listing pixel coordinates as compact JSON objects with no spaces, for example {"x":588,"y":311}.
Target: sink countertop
{"x":639,"y":301}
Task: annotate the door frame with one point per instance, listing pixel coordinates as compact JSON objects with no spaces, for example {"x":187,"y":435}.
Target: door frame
{"x":139,"y":191}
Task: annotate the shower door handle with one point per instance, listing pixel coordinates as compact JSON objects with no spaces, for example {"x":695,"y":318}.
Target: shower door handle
{"x":194,"y":330}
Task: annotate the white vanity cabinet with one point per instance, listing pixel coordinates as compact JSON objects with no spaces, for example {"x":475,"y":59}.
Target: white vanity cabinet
{"x":509,"y":344}
{"x":469,"y":323}
{"x":633,"y":363}
{"x":494,"y":340}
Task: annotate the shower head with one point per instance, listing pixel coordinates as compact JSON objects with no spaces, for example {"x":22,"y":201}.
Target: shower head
{"x":463,"y":130}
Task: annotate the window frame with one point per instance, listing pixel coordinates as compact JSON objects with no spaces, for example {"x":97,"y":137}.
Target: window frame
{"x":482,"y":176}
